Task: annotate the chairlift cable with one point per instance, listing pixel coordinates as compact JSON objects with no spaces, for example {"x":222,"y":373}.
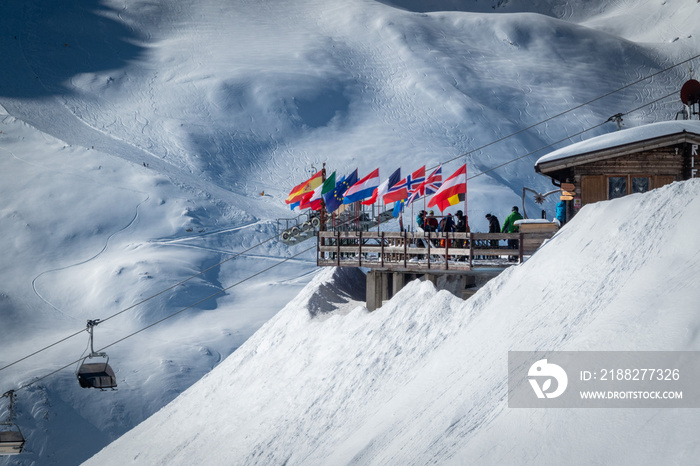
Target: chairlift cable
{"x":566,"y":138}
{"x":207,"y":298}
{"x":575,"y":108}
{"x":142,"y":301}
{"x":29,"y":384}
{"x":42,"y":349}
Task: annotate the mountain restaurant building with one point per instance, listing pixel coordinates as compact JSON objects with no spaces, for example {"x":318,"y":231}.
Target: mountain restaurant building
{"x":629,"y":161}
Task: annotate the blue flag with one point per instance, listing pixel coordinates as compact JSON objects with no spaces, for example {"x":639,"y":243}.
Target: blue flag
{"x":334,"y":198}
{"x":398,"y":207}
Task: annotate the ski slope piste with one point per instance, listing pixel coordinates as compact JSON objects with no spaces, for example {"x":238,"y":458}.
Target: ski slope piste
{"x":423,"y":380}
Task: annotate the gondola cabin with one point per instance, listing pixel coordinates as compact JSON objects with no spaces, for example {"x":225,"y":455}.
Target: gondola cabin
{"x":11,"y":442}
{"x":629,"y":161}
{"x":11,"y":438}
{"x":96,"y":375}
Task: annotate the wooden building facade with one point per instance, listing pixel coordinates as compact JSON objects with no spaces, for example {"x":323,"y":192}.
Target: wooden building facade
{"x":629,"y":161}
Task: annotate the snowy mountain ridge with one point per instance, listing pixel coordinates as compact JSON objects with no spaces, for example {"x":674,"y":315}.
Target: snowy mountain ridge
{"x":136,"y":139}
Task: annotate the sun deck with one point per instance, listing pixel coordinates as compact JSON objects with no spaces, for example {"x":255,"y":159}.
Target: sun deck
{"x":416,"y":252}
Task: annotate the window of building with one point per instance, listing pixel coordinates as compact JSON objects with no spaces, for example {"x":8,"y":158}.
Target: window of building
{"x":640,"y":184}
{"x":617,"y":186}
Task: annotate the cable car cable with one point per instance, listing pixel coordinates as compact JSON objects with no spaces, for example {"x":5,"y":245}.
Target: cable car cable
{"x":208,"y":297}
{"x":42,"y":349}
{"x":575,"y":108}
{"x":29,"y":384}
{"x":142,"y":301}
{"x":566,"y":138}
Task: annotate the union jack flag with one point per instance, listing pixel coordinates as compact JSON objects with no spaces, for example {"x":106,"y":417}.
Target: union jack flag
{"x":402,"y":189}
{"x":413,"y":195}
{"x":428,"y":187}
{"x":434,"y":181}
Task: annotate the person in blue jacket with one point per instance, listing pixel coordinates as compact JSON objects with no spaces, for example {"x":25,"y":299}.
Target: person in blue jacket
{"x":420,"y":219}
{"x":561,"y":212}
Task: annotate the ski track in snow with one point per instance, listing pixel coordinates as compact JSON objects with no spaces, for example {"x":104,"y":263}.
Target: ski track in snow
{"x":104,"y":248}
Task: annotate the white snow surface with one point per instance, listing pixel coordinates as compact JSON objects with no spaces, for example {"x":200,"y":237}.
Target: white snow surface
{"x":623,"y":137}
{"x":423,"y":380}
{"x":137,"y":136}
{"x":531,"y":221}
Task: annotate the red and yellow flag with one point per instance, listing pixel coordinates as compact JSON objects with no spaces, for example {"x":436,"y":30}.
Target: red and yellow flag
{"x":297,"y":193}
{"x":452,"y":190}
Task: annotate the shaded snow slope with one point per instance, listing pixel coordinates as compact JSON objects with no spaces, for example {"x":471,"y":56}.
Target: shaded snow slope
{"x":423,"y":380}
{"x":88,"y":235}
{"x":136,"y":138}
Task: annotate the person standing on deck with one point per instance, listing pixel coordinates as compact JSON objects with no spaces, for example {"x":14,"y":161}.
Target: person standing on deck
{"x":509,"y":226}
{"x":494,"y":227}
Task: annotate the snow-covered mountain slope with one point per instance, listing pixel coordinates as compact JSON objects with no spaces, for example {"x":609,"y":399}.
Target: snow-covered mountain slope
{"x":137,"y":136}
{"x":423,"y":380}
{"x":88,"y":236}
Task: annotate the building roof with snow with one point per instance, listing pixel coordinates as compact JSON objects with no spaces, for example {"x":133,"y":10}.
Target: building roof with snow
{"x":621,"y":143}
{"x":625,"y":162}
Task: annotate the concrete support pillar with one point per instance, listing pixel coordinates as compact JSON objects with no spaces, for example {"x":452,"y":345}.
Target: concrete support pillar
{"x":374,"y":290}
{"x":383,"y":285}
{"x":398,"y":282}
{"x":469,"y":281}
{"x":387,"y":286}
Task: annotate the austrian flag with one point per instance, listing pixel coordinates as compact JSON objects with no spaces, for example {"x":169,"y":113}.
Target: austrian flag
{"x":453,"y":186}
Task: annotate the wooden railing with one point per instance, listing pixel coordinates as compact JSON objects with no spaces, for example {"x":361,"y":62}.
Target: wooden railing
{"x":424,"y":251}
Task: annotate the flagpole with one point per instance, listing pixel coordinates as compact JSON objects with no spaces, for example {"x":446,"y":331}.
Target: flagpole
{"x":466,"y":182}
{"x":412,"y":216}
{"x":322,"y":226}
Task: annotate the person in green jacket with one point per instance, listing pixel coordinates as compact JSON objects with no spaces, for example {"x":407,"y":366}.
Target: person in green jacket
{"x":509,"y":226}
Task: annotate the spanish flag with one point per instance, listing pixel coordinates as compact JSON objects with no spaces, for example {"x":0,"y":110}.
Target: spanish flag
{"x":307,"y":186}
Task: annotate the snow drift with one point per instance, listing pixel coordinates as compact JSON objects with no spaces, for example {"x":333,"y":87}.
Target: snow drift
{"x":423,"y":380}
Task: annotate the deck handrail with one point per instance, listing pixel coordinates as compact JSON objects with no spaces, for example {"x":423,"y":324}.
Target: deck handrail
{"x":420,"y":250}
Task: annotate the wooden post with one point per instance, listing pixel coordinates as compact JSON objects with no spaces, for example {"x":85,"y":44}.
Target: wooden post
{"x":381,"y":250}
{"x":359,"y":251}
{"x":471,"y":248}
{"x":428,"y":250}
{"x":520,"y":248}
{"x":405,"y":249}
{"x":447,"y":243}
{"x":337,"y":244}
